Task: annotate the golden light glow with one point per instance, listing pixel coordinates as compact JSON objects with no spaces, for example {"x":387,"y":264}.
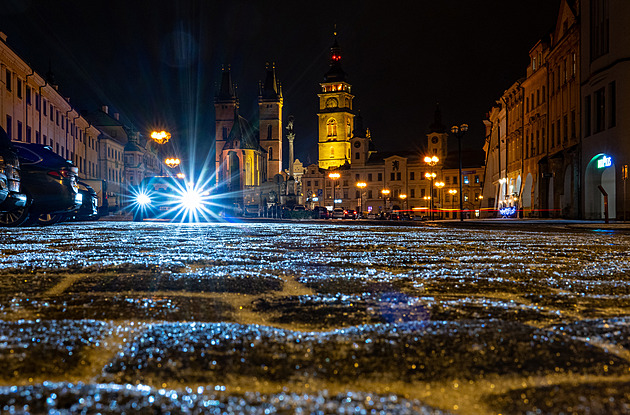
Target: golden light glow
{"x":430,"y":175}
{"x":385,"y":192}
{"x":161,"y":137}
{"x":361,"y":185}
{"x":172,"y":162}
{"x":431,"y":160}
{"x":180,"y":175}
{"x":452,"y":191}
{"x":439,"y":185}
{"x":334,"y":175}
{"x":403,"y":196}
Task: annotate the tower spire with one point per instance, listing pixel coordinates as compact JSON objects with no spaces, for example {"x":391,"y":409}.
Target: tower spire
{"x":335,"y":73}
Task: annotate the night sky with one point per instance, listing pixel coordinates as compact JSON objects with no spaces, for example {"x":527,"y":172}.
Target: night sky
{"x":158,"y":63}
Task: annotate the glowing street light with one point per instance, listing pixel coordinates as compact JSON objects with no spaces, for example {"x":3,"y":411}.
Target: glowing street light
{"x":362,"y":186}
{"x":161,"y":137}
{"x":403,"y":199}
{"x":431,"y":161}
{"x":385,"y":193}
{"x":334,"y":176}
{"x":452,"y":192}
{"x":439,"y":186}
{"x":172,"y":162}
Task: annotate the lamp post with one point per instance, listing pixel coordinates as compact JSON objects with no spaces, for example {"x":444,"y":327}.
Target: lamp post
{"x":361,"y":185}
{"x":431,"y":161}
{"x":459,"y":133}
{"x":172,"y":162}
{"x":403,"y":199}
{"x":439,"y":186}
{"x":452,"y":192}
{"x":385,"y":193}
{"x":160,"y":137}
{"x":334,"y":177}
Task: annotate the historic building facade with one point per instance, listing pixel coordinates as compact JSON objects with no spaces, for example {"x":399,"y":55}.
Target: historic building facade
{"x":539,"y":147}
{"x":604,"y":64}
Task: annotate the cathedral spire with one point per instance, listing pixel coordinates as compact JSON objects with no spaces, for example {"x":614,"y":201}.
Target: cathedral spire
{"x":437,"y":126}
{"x":226,"y":92}
{"x":271,"y":89}
{"x":335,"y":73}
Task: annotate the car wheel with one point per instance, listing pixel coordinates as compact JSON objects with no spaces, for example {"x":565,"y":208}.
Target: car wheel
{"x":16,"y":217}
{"x":46,"y":219}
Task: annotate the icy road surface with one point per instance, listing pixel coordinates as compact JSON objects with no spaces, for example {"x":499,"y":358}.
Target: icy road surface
{"x":119,"y":317}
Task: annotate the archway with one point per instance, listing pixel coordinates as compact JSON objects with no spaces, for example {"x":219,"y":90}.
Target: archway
{"x":567,"y":196}
{"x":600,"y":171}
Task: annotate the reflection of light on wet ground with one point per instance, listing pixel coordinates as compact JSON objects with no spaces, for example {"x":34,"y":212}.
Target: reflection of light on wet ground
{"x":300,"y":313}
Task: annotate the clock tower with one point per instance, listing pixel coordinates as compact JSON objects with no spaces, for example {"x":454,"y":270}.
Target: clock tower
{"x":437,"y":137}
{"x":335,"y":114}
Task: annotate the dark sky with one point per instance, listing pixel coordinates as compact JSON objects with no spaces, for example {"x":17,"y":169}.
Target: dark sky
{"x":158,"y":62}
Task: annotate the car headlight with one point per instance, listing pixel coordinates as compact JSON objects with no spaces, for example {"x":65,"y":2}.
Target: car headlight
{"x":191,"y":199}
{"x":143,"y":200}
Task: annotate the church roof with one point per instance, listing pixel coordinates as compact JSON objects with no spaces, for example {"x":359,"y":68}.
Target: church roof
{"x":437,"y":126}
{"x":226,"y":89}
{"x":243,"y":135}
{"x":271,"y":88}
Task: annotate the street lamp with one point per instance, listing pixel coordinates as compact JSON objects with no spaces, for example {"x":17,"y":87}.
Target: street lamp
{"x":439,"y":186}
{"x":385,"y":193}
{"x":431,"y":161}
{"x":172,"y":162}
{"x":452,"y":192}
{"x":334,"y":176}
{"x":459,"y":133}
{"x":403,"y":199}
{"x":161,"y":137}
{"x":361,"y":185}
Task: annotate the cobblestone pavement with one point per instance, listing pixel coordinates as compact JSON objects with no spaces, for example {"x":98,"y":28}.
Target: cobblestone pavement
{"x":347,"y":317}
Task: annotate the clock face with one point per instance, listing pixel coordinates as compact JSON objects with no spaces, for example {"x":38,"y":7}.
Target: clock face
{"x":357,"y":144}
{"x":434,"y":140}
{"x":331,"y":102}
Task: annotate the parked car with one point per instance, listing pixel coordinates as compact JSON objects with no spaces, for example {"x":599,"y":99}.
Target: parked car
{"x":349,"y":214}
{"x":12,"y":199}
{"x":50,"y":183}
{"x":251,"y":211}
{"x":100,"y":187}
{"x":299,"y":208}
{"x":89,"y":209}
{"x":320,"y":212}
{"x":338,"y":213}
{"x":171,"y":198}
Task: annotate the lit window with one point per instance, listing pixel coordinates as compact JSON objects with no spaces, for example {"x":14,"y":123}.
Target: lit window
{"x":331,"y":128}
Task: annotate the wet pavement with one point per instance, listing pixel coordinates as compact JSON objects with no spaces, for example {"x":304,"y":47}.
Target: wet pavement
{"x":346,"y":317}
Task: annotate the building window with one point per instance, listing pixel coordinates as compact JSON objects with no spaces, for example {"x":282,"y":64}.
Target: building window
{"x":476,"y":179}
{"x":348,"y":129}
{"x":7,"y":79}
{"x":599,"y":28}
{"x":392,"y":176}
{"x":357,"y":156}
{"x":28,"y":133}
{"x":423,"y":192}
{"x":269,"y":132}
{"x":412,"y":175}
{"x":466,"y":181}
{"x":9,"y":126}
{"x":19,"y":88}
{"x":587,"y":115}
{"x":19,"y":130}
{"x":398,"y":176}
{"x":270,"y":153}
{"x":380,"y":177}
{"x":331,"y":128}
{"x":573,"y":124}
{"x":316,"y":183}
{"x":369,"y":194}
{"x":600,"y":109}
{"x":28,"y":95}
{"x":369,"y":177}
{"x":454,"y":179}
{"x":612,"y":112}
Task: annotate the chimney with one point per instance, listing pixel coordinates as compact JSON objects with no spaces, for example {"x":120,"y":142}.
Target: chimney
{"x":117,"y":116}
{"x":105,"y":109}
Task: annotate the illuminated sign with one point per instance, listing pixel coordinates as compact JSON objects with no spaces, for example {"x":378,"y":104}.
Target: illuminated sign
{"x":508,"y":211}
{"x":605,"y":161}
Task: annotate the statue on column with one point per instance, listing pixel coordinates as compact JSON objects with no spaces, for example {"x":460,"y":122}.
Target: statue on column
{"x":291,"y":137}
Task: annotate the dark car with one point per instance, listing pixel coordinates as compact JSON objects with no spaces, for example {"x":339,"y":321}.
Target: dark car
{"x":89,"y":209}
{"x":320,"y":212}
{"x":50,"y":183}
{"x":12,"y":199}
{"x":350,"y":214}
{"x":170,"y":198}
